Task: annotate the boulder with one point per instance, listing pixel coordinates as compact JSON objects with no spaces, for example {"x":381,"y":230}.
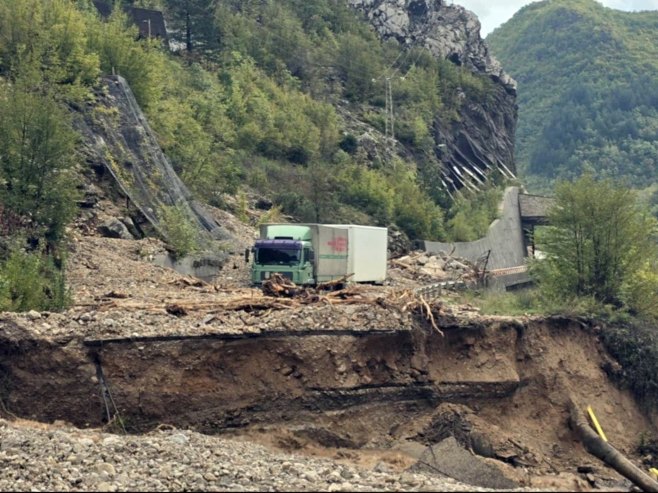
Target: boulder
{"x":114,"y":228}
{"x":398,"y":242}
{"x":131,"y":227}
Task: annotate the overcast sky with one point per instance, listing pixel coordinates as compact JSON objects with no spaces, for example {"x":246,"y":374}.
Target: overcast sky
{"x":492,"y":13}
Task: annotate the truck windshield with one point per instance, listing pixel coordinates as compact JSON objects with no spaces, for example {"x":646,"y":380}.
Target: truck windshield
{"x":278,"y":256}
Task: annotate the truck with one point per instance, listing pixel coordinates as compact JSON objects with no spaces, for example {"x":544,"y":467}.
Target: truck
{"x":309,"y":254}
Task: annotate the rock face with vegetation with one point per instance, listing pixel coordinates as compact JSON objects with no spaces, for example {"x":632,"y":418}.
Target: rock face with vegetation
{"x":119,"y":140}
{"x":481,"y":140}
{"x":447,"y":31}
{"x":588,"y":90}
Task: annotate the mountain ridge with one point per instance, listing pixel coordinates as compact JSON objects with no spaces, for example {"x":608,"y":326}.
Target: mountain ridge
{"x":587,"y":98}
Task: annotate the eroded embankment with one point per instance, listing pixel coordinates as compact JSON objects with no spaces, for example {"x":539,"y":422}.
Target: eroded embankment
{"x":46,"y":379}
{"x":213,"y":383}
{"x":499,"y":386}
{"x":227,"y":380}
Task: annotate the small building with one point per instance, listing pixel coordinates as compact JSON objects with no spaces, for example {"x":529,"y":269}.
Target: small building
{"x":151,"y":23}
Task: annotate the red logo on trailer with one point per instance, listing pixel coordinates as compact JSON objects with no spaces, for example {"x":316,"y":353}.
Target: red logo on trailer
{"x":338,"y":244}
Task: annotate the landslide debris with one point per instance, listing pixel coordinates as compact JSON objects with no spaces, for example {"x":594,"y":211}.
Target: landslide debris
{"x":118,"y":291}
{"x":426,"y":268}
{"x":500,"y":369}
{"x":38,"y":457}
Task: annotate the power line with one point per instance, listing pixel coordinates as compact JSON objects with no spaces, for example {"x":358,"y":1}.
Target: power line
{"x":385,"y":73}
{"x":390,"y":114}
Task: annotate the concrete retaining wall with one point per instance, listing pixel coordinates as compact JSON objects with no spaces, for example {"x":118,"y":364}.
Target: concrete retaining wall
{"x":504,"y":238}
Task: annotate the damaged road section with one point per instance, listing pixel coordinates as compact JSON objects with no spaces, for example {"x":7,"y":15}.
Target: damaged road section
{"x":231,"y":381}
{"x":498,"y":386}
{"x":215,"y":381}
{"x":46,"y":379}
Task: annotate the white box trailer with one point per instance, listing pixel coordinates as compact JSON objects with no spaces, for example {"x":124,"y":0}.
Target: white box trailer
{"x":315,"y":253}
{"x":364,"y":253}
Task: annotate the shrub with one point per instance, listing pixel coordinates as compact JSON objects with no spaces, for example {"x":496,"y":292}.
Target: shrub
{"x":526,"y":301}
{"x":32,"y":281}
{"x":471,"y":214}
{"x":182,"y":235}
{"x":274,"y":215}
{"x":635,"y":347}
{"x":349,"y":144}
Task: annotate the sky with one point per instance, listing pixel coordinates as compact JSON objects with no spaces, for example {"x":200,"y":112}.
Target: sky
{"x":493,"y":13}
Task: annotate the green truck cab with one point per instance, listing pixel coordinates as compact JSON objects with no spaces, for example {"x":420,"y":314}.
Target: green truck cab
{"x":289,"y":252}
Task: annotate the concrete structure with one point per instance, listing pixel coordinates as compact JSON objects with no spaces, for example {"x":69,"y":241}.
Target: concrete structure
{"x":508,"y":241}
{"x":533,"y":210}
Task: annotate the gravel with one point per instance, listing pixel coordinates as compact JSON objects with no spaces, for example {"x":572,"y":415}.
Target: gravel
{"x":118,"y":293}
{"x":38,"y":457}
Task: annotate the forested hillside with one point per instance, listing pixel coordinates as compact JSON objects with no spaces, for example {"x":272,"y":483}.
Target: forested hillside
{"x":262,"y":97}
{"x":587,"y":90}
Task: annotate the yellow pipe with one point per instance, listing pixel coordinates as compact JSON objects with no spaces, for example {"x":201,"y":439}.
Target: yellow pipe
{"x":599,"y":430}
{"x":654,"y":471}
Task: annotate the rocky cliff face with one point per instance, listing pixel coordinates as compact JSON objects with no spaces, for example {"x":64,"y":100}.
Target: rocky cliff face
{"x":483,"y":139}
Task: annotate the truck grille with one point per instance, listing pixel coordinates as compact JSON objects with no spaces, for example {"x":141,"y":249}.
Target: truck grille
{"x":266,"y":275}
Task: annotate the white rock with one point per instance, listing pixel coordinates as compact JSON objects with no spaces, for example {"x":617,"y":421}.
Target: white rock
{"x":84,"y":441}
{"x":112,"y":441}
{"x":334,"y":477}
{"x":178,"y":439}
{"x":105,"y":486}
{"x":105,"y":468}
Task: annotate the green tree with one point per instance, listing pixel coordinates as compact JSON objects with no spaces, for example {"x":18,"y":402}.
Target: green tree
{"x":599,"y":244}
{"x":471,"y":213}
{"x":414,"y":212}
{"x":139,"y":62}
{"x":33,"y":280}
{"x":587,"y":90}
{"x":36,"y":160}
{"x":368,"y":190}
{"x":194,"y":18}
{"x":182,"y":235}
{"x":359,"y":67}
{"x":49,"y":37}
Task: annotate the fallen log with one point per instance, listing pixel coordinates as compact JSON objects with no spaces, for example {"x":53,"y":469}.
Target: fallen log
{"x":336,"y":284}
{"x":400,"y":264}
{"x":238,"y":303}
{"x":115,"y":294}
{"x":184,"y":282}
{"x":606,"y":452}
{"x":284,"y":295}
{"x":278,"y":285}
{"x":176,"y":310}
